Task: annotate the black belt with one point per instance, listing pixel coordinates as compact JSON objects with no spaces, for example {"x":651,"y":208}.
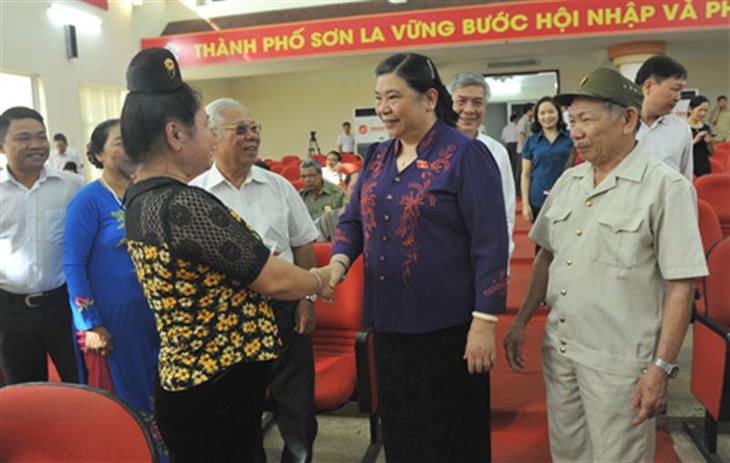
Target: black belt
{"x":35,"y":300}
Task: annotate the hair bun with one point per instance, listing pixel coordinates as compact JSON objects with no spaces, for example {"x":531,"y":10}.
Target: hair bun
{"x":154,"y":70}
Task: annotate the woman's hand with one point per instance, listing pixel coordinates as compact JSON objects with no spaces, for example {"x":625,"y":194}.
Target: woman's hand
{"x":480,"y":353}
{"x":527,"y":212}
{"x":99,"y":340}
{"x":701,"y":135}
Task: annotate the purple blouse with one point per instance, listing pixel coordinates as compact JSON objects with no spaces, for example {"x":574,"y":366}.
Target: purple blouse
{"x":433,"y":237}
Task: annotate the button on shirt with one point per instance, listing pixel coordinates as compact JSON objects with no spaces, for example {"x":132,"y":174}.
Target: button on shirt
{"x":606,"y":284}
{"x":433,"y":236}
{"x":269,"y":203}
{"x":31,"y":230}
{"x":669,"y":139}
{"x":548,"y":162}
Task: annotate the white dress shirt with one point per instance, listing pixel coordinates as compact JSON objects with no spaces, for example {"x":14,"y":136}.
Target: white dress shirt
{"x":58,"y":160}
{"x":31,"y":230}
{"x":669,"y":139}
{"x":509,"y":133}
{"x":347,"y":142}
{"x":269,"y":203}
{"x":501,"y":156}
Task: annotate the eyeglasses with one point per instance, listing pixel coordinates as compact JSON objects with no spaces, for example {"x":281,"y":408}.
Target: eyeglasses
{"x":243,"y":129}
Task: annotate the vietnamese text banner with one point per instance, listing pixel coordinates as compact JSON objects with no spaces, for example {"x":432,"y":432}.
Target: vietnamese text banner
{"x":495,"y":22}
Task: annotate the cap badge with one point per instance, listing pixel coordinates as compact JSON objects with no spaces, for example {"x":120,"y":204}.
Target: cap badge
{"x":583,"y":81}
{"x":170,"y":66}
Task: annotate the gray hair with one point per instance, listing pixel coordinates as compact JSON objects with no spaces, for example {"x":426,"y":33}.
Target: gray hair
{"x":465,"y":79}
{"x":216,"y":108}
{"x":616,"y":110}
{"x":307,"y":163}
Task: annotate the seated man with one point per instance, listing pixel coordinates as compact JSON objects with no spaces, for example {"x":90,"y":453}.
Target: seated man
{"x":327,"y":222}
{"x":318,"y":195}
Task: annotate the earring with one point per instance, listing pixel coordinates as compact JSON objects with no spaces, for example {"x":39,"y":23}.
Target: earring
{"x":178,"y":148}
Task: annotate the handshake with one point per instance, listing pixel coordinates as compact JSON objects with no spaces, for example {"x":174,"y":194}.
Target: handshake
{"x":329,"y":276}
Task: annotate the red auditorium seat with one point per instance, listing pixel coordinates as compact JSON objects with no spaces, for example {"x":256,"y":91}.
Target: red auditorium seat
{"x":291,"y":172}
{"x":320,"y":158}
{"x":350,"y":167}
{"x":710,"y":229}
{"x":715,"y":189}
{"x":69,"y":422}
{"x":291,"y":160}
{"x":710,"y":374}
{"x":333,"y":339}
{"x":716,"y":166}
{"x":352,"y":157}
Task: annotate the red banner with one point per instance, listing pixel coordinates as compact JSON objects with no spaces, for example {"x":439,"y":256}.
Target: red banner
{"x":495,"y":22}
{"x":103,"y":4}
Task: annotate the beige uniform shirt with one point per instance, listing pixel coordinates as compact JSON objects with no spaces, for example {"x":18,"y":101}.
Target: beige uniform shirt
{"x":614,"y":245}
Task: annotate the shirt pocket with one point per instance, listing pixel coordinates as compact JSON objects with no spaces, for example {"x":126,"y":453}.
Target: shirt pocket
{"x":619,"y":240}
{"x":558,"y":218}
{"x":55,"y":220}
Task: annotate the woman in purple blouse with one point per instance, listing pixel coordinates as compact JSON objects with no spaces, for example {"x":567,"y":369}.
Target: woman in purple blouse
{"x":427,"y":215}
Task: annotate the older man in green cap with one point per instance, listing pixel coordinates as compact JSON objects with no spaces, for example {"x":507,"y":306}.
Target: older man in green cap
{"x":620,"y":249}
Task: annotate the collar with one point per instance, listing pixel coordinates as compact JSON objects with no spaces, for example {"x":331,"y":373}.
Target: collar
{"x":561,"y":133}
{"x":46,"y":173}
{"x":427,"y":140}
{"x":144,"y":186}
{"x":214,"y":177}
{"x":658,"y":121}
{"x":631,"y":168}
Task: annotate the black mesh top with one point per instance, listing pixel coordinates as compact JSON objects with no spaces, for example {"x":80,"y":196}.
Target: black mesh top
{"x":194,"y":259}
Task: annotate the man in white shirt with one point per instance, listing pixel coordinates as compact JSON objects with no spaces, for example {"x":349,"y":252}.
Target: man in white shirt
{"x":271,"y":205}
{"x":62,"y":155}
{"x":523,"y":127}
{"x":470,"y":94}
{"x":346,"y":140}
{"x":664,"y":135}
{"x":35,"y":319}
{"x":509,"y":137}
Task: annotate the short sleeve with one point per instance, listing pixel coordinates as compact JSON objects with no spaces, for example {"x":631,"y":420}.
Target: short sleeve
{"x":202,"y":229}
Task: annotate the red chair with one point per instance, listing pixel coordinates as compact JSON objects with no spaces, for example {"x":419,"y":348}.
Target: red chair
{"x":715,"y":189}
{"x":276,"y":167}
{"x":710,"y":380}
{"x":291,"y":160}
{"x":711,"y":233}
{"x":723,"y":157}
{"x":350,"y":167}
{"x":320,"y":158}
{"x":291,"y":172}
{"x":298,"y":184}
{"x":352,"y":157}
{"x":69,"y":422}
{"x":716,"y":166}
{"x":333,"y":339}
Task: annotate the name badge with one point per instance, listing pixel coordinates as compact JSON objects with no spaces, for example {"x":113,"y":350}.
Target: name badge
{"x":421,"y":164}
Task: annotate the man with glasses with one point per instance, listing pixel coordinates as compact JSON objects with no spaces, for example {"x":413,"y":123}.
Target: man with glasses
{"x":35,"y":319}
{"x":663,"y":134}
{"x":270,"y":204}
{"x":319,"y":196}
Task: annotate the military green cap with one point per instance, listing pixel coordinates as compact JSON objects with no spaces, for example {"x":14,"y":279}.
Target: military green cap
{"x":606,"y":84}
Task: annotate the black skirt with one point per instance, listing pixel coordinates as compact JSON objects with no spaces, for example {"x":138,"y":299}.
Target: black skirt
{"x":432,"y":409}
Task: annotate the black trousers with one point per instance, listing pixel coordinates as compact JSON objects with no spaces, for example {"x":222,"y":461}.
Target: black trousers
{"x":291,"y":388}
{"x":432,"y":409}
{"x":217,"y":421}
{"x":29,"y":334}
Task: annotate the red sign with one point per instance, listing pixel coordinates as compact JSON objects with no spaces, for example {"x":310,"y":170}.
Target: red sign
{"x":103,"y":4}
{"x":495,"y":22}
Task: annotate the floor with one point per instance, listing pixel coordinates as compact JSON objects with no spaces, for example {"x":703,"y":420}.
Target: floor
{"x":344,"y":434}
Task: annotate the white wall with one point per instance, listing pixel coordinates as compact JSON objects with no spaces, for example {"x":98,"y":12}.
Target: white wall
{"x":290,"y":105}
{"x":31,"y":44}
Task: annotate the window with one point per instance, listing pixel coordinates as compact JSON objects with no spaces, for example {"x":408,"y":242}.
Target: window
{"x":18,"y":90}
{"x":99,"y":103}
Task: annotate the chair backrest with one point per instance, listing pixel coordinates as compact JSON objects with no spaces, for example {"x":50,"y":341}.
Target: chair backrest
{"x":352,"y":157}
{"x":350,"y":167}
{"x":339,"y":322}
{"x":291,"y":172}
{"x":717,"y":283}
{"x":715,"y":189}
{"x":291,"y":159}
{"x":320,"y":158}
{"x":717,"y":166}
{"x":69,"y":422}
{"x":709,"y":224}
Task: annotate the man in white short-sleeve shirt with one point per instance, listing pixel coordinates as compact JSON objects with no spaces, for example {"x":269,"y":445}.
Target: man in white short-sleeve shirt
{"x":664,"y":135}
{"x":35,"y":320}
{"x":271,"y":205}
{"x":346,"y":140}
{"x":63,"y":155}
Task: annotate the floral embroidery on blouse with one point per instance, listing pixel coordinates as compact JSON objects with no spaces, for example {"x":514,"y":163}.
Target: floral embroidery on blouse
{"x":499,"y":285}
{"x":83,"y":303}
{"x":368,"y":199}
{"x":412,"y":203}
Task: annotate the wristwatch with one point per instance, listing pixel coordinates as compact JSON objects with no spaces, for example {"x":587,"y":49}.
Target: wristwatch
{"x":670,"y":369}
{"x":311,"y":298}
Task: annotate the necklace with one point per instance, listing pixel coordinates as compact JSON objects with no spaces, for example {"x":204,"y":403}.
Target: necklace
{"x":111,"y":190}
